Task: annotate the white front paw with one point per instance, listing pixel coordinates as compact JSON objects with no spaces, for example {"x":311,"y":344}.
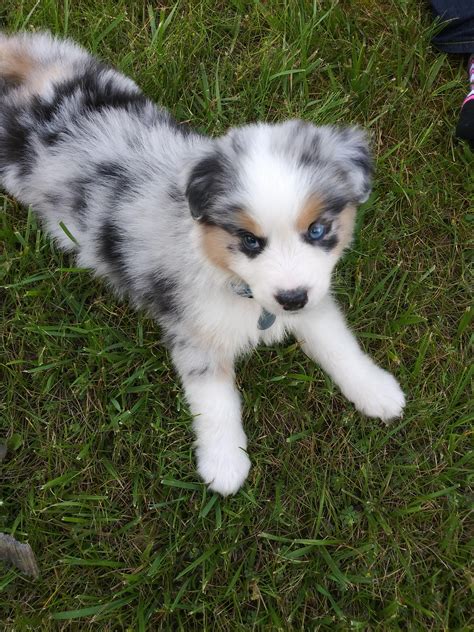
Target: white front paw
{"x":376,"y":393}
{"x":224,"y":469}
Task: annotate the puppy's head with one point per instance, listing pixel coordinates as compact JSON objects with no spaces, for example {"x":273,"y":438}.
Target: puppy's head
{"x":276,"y":206}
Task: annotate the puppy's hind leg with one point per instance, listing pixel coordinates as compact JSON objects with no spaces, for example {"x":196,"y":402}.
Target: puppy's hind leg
{"x":208,"y":382}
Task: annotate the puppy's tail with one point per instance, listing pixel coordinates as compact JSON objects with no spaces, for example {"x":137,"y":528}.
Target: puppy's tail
{"x":35,"y":61}
{"x":16,"y":63}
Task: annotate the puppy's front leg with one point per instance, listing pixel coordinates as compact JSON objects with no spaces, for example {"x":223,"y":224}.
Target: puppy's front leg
{"x":326,"y":338}
{"x":215,"y":403}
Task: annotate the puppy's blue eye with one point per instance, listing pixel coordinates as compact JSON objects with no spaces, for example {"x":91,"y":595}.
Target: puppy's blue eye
{"x":250,"y":242}
{"x":316,"y":231}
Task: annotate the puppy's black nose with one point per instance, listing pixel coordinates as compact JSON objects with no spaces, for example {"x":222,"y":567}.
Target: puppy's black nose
{"x":291,"y":300}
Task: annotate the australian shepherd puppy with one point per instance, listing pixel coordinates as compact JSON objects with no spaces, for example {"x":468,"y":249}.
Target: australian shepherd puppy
{"x":228,"y":242}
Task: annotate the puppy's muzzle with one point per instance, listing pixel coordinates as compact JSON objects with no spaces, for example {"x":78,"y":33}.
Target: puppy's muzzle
{"x":292,"y":300}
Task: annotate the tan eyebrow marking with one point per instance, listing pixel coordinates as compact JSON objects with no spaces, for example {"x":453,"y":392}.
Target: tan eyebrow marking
{"x":309,"y":213}
{"x":249,"y":224}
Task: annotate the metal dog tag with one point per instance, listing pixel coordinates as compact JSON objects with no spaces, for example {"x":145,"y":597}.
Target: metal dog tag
{"x":266,"y":319}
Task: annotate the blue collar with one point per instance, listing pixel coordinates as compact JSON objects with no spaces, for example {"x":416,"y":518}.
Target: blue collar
{"x":266,"y":319}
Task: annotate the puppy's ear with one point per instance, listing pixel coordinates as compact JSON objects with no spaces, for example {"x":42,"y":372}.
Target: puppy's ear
{"x":351,"y":151}
{"x":209,"y":179}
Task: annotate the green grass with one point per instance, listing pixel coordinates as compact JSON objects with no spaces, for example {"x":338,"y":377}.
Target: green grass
{"x":344,"y":524}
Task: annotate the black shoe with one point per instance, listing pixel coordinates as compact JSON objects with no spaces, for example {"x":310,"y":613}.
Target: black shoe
{"x":465,"y":126}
